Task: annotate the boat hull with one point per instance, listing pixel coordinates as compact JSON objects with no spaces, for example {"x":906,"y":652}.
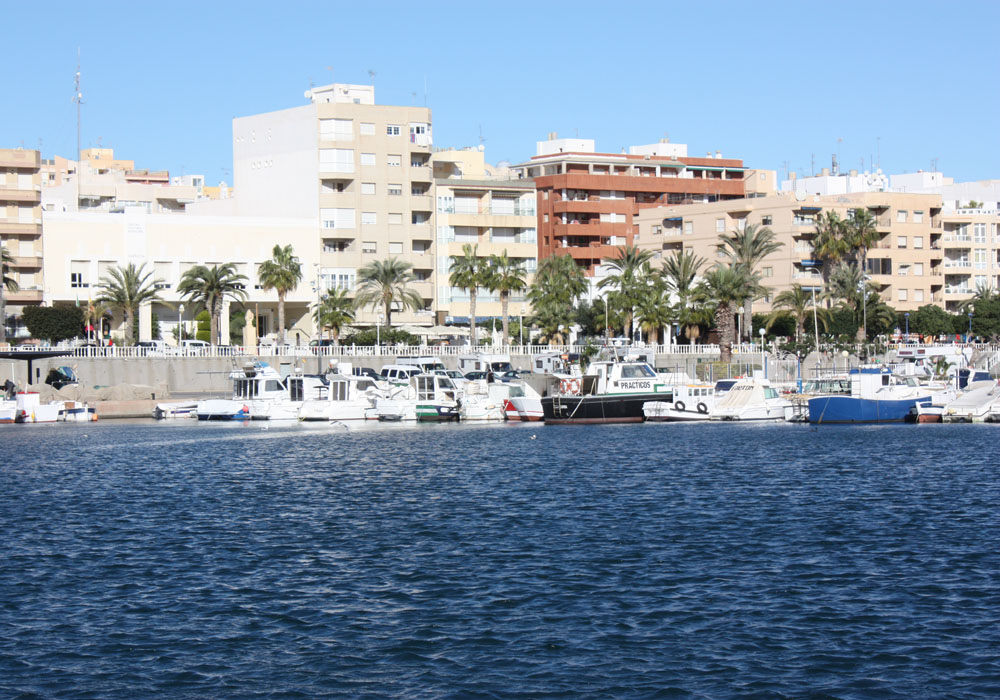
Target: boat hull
{"x":436,"y":413}
{"x":849,"y":409}
{"x":612,"y":408}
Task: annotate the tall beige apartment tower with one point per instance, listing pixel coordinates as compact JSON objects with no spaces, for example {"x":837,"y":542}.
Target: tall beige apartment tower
{"x":21,"y":226}
{"x":360,"y":169}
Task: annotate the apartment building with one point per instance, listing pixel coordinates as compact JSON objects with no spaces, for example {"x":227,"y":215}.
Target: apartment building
{"x":21,"y":229}
{"x":490,"y":209}
{"x":588,"y":202}
{"x":971,"y":246}
{"x":907,"y":262}
{"x":361,"y":170}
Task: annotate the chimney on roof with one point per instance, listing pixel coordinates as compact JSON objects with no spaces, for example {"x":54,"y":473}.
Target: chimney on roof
{"x":553,"y":136}
{"x":718,"y":154}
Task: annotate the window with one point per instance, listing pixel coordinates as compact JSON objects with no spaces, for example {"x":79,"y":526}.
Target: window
{"x":367,"y":159}
{"x":394,"y":160}
{"x":766,"y":220}
{"x":979,"y":233}
{"x":900,"y":241}
{"x":720,"y":225}
{"x":395,"y":218}
{"x":918,"y":295}
{"x":367,"y":218}
{"x":918,"y":269}
{"x":902,"y":270}
{"x":337,"y":218}
{"x":657,"y":230}
{"x":901,"y":294}
{"x":392,"y":130}
{"x":688,"y":228}
{"x":367,"y":129}
{"x":368,"y":247}
{"x":918,"y":241}
{"x":880,"y":266}
{"x":901,"y":218}
{"x":336,"y":160}
{"x":767,"y":272}
{"x":395,"y":248}
{"x":979,"y":258}
{"x":336,"y":129}
{"x":918,"y":217}
{"x":333,"y":245}
{"x":337,"y":278}
{"x":367,"y":188}
{"x":394,"y":189}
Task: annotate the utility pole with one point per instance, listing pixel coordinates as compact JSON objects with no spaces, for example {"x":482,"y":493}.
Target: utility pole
{"x":78,"y":99}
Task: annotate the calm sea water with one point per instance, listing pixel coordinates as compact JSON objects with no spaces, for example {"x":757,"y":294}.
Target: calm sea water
{"x":511,"y":561}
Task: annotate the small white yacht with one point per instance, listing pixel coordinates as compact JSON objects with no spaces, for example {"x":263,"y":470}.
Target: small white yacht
{"x":523,"y":403}
{"x":974,"y":405}
{"x":751,"y":399}
{"x":428,"y":397}
{"x":692,"y":401}
{"x":256,"y":382}
{"x":484,"y":401}
{"x":348,"y":396}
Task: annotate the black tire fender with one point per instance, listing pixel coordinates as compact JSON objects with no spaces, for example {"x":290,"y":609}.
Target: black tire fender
{"x":702,"y":408}
{"x":678,"y":405}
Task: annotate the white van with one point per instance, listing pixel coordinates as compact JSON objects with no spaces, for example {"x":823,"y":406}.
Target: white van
{"x":399,"y":374}
{"x":193,"y":347}
{"x":426,"y":363}
{"x":483,"y":362}
{"x":153,"y":348}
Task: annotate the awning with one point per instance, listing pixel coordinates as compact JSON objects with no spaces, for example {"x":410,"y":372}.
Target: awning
{"x":674,"y":218}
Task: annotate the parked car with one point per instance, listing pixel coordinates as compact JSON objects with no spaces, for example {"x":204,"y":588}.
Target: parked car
{"x":472,"y":376}
{"x":512,"y":375}
{"x":321,"y":343}
{"x":457,"y":377}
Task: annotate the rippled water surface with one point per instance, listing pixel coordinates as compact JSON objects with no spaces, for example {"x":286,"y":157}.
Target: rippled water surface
{"x":703,"y":561}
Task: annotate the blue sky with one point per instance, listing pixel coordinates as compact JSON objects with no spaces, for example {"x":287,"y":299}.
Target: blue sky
{"x":773,"y":83}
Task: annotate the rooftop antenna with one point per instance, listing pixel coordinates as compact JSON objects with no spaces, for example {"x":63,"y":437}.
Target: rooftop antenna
{"x":786,"y":164}
{"x":371,"y":76}
{"x":481,"y":139}
{"x":330,"y":68}
{"x":878,"y":152}
{"x":78,"y":99}
{"x":934,"y":164}
{"x":812,"y":163}
{"x":425,"y":90}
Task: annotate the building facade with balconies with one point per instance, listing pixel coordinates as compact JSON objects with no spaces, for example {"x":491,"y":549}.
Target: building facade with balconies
{"x":490,"y":209}
{"x":971,"y":246}
{"x":21,"y":229}
{"x":588,"y":202}
{"x":907,"y":262}
{"x":361,"y":170}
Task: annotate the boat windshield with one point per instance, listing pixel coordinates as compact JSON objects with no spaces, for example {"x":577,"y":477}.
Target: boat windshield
{"x":640,"y":371}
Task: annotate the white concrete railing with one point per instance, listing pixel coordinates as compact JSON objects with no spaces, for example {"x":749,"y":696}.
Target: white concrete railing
{"x":359,"y":350}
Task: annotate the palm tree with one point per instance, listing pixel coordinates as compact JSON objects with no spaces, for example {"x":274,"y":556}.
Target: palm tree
{"x":680,"y":273}
{"x":654,"y":310}
{"x":628,"y":277}
{"x":851,"y":287}
{"x":506,"y":276}
{"x":92,"y":314}
{"x":334,"y":311}
{"x":725,"y":287}
{"x":984,"y":292}
{"x":208,"y":287}
{"x":797,"y":303}
{"x":282,"y":272}
{"x":861,"y":234}
{"x":469,"y":272}
{"x":7,"y":283}
{"x":829,"y":245}
{"x":126,"y":289}
{"x":559,"y":282}
{"x":386,"y":282}
{"x":746,"y":249}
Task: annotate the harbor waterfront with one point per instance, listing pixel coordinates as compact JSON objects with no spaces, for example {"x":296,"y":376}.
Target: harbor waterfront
{"x":190,"y":560}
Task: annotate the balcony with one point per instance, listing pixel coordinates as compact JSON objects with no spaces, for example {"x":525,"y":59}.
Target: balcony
{"x":34,"y":195}
{"x":15,"y":228}
{"x":421,"y":173}
{"x":952,"y":291}
{"x":957,"y":264}
{"x":342,"y":168}
{"x":421,"y":202}
{"x":30,"y":261}
{"x":19,"y":158}
{"x":25,"y":295}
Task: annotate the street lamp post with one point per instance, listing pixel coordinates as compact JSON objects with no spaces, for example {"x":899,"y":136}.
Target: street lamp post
{"x":815,"y":322}
{"x":907,"y":317}
{"x":521,"y":327}
{"x":180,"y":325}
{"x":378,"y":335}
{"x":971,"y":310}
{"x":763,"y":352}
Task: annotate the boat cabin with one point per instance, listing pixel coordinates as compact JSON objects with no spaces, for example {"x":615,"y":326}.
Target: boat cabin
{"x":484,"y":362}
{"x":621,"y":378}
{"x":426,"y":363}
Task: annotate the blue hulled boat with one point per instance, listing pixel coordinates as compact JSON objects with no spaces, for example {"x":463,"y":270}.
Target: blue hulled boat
{"x":877,"y":396}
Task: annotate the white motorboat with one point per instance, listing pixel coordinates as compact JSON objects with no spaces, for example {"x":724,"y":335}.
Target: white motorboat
{"x":176,"y":409}
{"x":77,"y":412}
{"x":523,"y":403}
{"x":975,"y":405}
{"x":30,"y":409}
{"x":428,"y":397}
{"x":751,"y":399}
{"x":299,"y":388}
{"x":8,"y":411}
{"x":484,"y":401}
{"x":348,"y":397}
{"x":692,"y":401}
{"x":256,"y":382}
